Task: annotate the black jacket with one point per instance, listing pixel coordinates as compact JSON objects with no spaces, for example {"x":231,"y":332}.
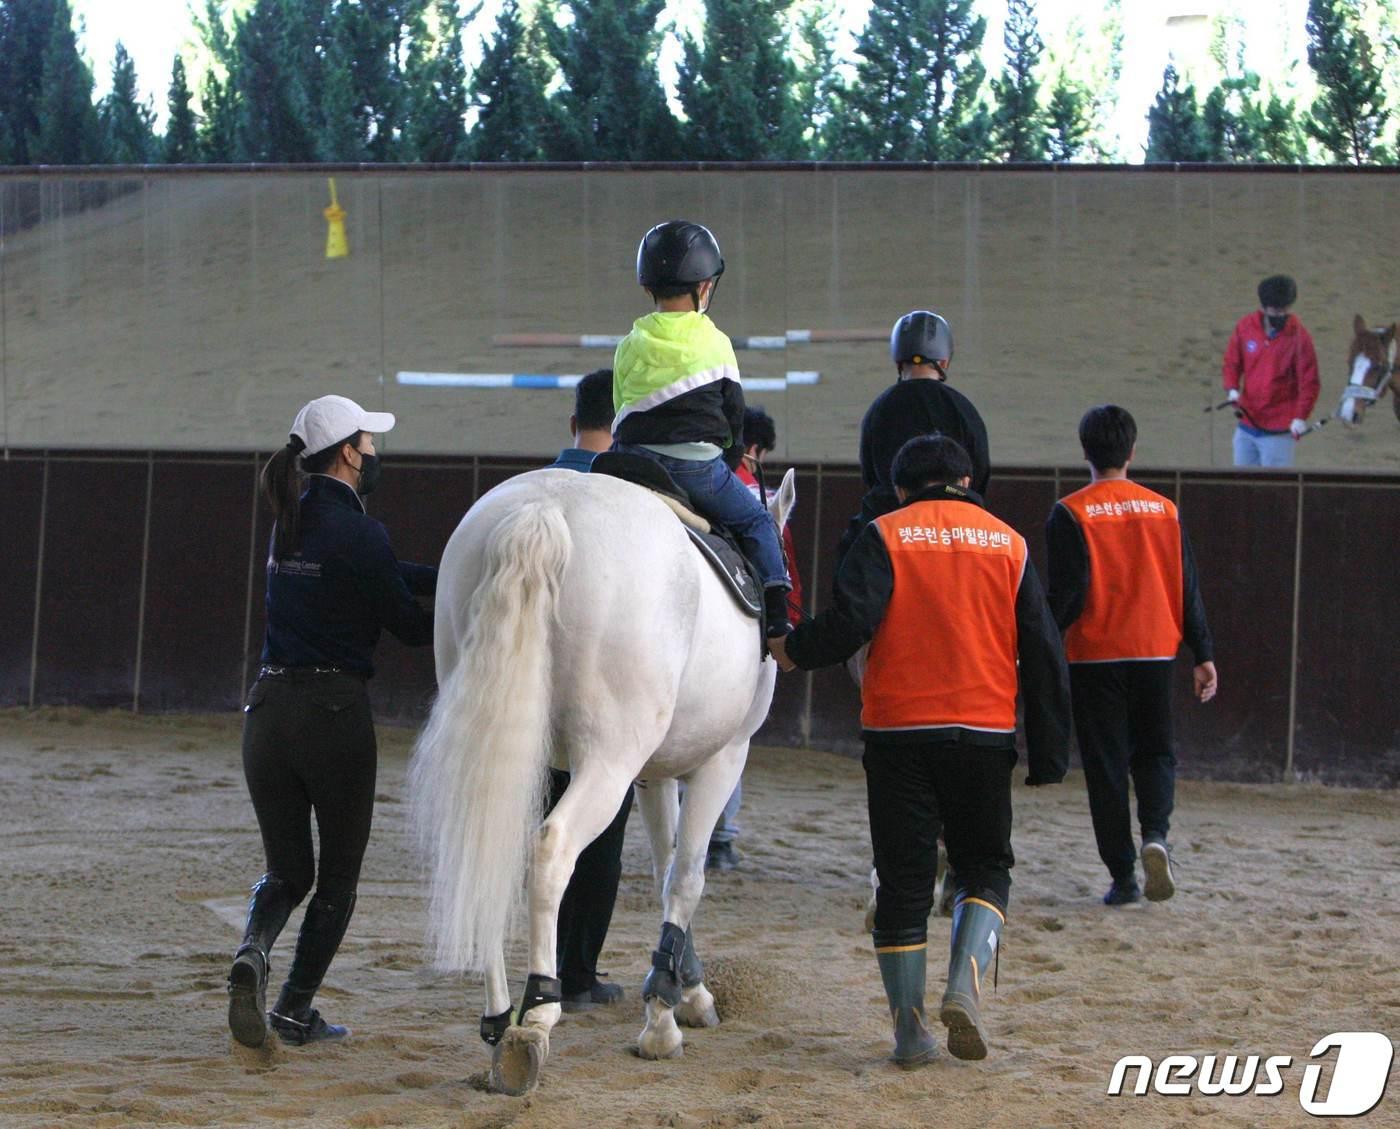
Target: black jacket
{"x":712,"y":414}
{"x":328,"y":601}
{"x":863,"y":587}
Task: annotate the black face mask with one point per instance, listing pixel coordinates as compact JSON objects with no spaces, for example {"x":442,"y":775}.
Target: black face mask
{"x":370,"y":469}
{"x":1276,"y":321}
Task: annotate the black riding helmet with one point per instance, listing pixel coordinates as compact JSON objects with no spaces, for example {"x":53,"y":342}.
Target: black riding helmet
{"x":1279,"y":291}
{"x":677,"y":256}
{"x":921,"y":337}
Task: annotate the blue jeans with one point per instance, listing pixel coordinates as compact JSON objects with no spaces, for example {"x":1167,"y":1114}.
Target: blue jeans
{"x":1264,"y":450}
{"x":727,"y":829}
{"x":721,"y":498}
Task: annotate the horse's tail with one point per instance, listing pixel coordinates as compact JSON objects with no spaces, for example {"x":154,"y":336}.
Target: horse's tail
{"x":478,"y":774}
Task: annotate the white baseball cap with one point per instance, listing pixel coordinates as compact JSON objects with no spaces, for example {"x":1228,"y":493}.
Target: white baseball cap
{"x":329,"y":420}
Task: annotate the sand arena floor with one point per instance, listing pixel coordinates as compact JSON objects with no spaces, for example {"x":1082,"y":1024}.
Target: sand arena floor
{"x":128,"y":845}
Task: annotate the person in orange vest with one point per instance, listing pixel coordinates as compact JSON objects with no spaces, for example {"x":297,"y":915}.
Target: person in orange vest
{"x":949,"y":601}
{"x":1124,"y":591}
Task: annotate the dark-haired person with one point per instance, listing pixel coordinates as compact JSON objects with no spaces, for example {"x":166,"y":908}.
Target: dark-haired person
{"x":586,"y":909}
{"x":949,"y":601}
{"x":1270,"y":375}
{"x":919,"y":402}
{"x":1123,"y":590}
{"x":679,"y":401}
{"x":333,"y":583}
{"x":760,"y":439}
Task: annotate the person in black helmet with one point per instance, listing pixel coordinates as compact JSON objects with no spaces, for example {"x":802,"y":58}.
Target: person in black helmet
{"x":679,"y":401}
{"x":920,"y":402}
{"x":333,"y":583}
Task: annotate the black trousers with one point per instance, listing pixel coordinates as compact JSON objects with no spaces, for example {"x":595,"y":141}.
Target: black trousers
{"x":586,"y":910}
{"x":909,"y":786}
{"x":1122,"y":715}
{"x":308,"y":745}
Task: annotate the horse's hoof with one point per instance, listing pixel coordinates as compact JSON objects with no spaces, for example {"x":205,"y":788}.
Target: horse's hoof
{"x":518,"y":1059}
{"x":660,"y":1038}
{"x":697,"y":1008}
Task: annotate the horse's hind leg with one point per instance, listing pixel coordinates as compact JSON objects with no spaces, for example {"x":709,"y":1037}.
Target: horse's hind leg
{"x":675,"y":989}
{"x":660,"y":807}
{"x":589,"y":804}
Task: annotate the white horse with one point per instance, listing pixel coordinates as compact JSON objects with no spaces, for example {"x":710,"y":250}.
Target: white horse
{"x":577,"y":626}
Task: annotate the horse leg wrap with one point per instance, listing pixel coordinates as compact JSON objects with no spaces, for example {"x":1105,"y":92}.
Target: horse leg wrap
{"x":692,"y":971}
{"x":663,"y":981}
{"x":540,"y":990}
{"x":493,"y":1027}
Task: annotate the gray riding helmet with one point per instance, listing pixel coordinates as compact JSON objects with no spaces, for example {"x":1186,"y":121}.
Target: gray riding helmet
{"x":678,"y":253}
{"x":921,"y":337}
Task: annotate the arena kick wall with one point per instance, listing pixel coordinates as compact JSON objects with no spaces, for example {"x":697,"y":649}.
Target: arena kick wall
{"x":134,"y":580}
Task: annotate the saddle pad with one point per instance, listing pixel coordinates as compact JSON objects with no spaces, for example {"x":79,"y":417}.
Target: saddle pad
{"x":733,"y":569}
{"x":642,"y":471}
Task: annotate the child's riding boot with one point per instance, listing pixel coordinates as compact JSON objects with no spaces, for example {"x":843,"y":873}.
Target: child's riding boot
{"x":902,"y":954}
{"x":977,"y":929}
{"x":775,"y":611}
{"x":293,"y":1017}
{"x":271,"y":904}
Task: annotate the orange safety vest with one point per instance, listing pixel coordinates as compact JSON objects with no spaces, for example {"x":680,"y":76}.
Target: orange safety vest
{"x":1132,"y":609}
{"x":944,"y":654}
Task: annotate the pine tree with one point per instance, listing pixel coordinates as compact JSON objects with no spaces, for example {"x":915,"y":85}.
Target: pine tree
{"x":1232,"y":121}
{"x":1174,"y":130}
{"x":1349,"y":115}
{"x":25,"y":28}
{"x":735,"y":85}
{"x":274,"y":120}
{"x":1067,"y":120}
{"x":435,"y":81}
{"x":1281,"y":139}
{"x":508,"y":90}
{"x":344,"y":134}
{"x":69,"y":132}
{"x":181,"y":145}
{"x":218,"y":127}
{"x":916,"y":82}
{"x":1018,"y":125}
{"x":128,"y":125}
{"x":816,"y":84}
{"x":612,"y":106}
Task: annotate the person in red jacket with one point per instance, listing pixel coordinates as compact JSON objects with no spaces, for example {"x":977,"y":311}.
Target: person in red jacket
{"x":948,"y":599}
{"x":1123,"y":589}
{"x":1270,"y":375}
{"x":760,"y":437}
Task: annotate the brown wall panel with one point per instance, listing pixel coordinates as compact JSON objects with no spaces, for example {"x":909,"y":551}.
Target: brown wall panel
{"x":21,"y":495}
{"x":90,"y":607}
{"x":1348,"y":713}
{"x":1024,"y":503}
{"x":196,"y":585}
{"x":1243,"y":534}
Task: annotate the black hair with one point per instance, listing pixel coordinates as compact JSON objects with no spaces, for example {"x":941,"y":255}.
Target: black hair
{"x":1107,"y":433}
{"x":930,"y":460}
{"x":281,"y":487}
{"x":593,"y":401}
{"x":674,"y":290}
{"x":759,"y":429}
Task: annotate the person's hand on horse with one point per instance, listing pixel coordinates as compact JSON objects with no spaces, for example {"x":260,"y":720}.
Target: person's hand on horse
{"x":1298,"y":427}
{"x":777,"y":647}
{"x":1205,"y":679}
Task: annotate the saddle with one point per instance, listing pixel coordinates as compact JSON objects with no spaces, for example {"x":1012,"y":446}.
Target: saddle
{"x":718,"y":548}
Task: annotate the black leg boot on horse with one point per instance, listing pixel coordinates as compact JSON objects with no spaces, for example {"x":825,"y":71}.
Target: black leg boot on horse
{"x":977,"y":927}
{"x":271,"y":904}
{"x":293,"y":1017}
{"x":903,"y":958}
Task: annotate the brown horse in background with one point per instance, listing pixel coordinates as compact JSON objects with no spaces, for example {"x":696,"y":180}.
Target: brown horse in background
{"x":1371,"y":363}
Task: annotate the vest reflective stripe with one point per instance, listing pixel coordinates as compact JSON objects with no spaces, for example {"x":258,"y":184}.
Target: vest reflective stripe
{"x":1132,"y":609}
{"x":945,"y":652}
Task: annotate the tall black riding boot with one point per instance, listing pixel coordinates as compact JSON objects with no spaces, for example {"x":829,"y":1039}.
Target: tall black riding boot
{"x":293,"y":1017}
{"x":271,"y":904}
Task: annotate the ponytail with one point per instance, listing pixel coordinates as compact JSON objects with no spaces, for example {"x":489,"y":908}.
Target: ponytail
{"x":281,"y":487}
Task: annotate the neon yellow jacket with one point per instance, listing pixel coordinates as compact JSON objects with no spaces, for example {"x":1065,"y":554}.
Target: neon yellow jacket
{"x":675,"y":380}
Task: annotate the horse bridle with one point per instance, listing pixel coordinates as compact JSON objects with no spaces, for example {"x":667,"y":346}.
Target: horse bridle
{"x":1355,"y":391}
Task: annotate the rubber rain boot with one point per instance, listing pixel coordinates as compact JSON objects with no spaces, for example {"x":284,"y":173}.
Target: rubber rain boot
{"x":903,"y":959}
{"x":977,"y":927}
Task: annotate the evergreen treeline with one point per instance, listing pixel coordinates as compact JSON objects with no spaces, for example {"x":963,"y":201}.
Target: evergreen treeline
{"x":579,"y":80}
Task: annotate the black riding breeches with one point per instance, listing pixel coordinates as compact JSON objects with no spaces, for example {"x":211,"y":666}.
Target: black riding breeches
{"x":908,"y":787}
{"x":309,"y":745}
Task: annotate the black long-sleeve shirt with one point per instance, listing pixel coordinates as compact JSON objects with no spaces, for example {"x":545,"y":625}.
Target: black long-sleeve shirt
{"x":864,"y":584}
{"x":328,"y":601}
{"x":1069,"y":582}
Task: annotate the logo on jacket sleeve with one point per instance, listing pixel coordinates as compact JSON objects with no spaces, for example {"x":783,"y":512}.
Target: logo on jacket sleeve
{"x":1251,"y":346}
